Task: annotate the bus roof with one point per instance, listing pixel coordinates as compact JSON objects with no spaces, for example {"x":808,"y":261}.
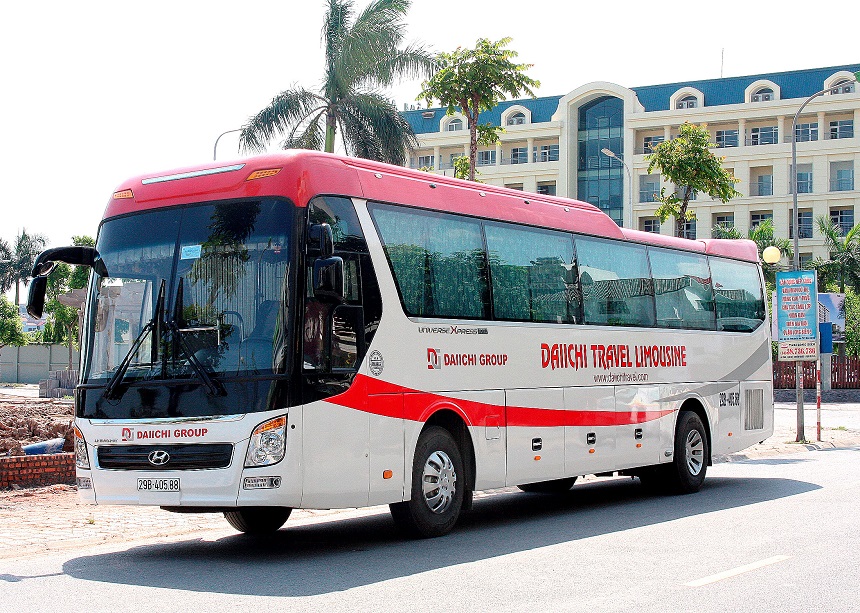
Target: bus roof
{"x":300,"y":175}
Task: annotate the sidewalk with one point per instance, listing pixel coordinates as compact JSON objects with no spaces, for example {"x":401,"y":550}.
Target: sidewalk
{"x":36,"y":520}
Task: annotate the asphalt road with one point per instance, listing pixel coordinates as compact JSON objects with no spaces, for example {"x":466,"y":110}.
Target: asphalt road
{"x":773,"y":534}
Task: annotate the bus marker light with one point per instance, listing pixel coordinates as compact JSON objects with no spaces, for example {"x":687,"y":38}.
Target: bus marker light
{"x":730,"y":433}
{"x":125,"y":193}
{"x":262,"y":174}
{"x":537,"y":458}
{"x":387,"y":474}
{"x":591,"y":451}
{"x":638,"y":445}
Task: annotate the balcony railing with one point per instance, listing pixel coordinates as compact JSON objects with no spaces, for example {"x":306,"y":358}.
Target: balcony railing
{"x":761,"y":188}
{"x":842,"y":185}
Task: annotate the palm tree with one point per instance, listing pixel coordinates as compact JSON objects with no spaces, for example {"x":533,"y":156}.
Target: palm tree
{"x":844,"y":251}
{"x":24,"y":252}
{"x":762,"y":236}
{"x":362,"y":55}
{"x":6,"y":278}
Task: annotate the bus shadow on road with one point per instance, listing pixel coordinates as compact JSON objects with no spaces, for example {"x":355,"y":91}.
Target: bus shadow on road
{"x":336,"y":555}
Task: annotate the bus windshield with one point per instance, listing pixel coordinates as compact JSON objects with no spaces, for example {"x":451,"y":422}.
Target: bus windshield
{"x":223,"y":266}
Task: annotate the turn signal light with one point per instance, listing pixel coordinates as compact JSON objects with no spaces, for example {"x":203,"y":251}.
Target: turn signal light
{"x":125,"y":193}
{"x":262,"y":174}
{"x":387,"y":474}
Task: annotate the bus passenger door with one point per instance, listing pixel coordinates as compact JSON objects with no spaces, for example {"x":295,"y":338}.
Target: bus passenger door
{"x":536,"y":435}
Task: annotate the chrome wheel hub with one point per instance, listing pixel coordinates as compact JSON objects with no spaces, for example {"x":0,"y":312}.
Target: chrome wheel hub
{"x":439,"y":482}
{"x":695,"y":452}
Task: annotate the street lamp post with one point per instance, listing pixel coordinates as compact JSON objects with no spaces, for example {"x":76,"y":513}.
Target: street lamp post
{"x":798,"y":372}
{"x":215,"y":148}
{"x":629,"y":217}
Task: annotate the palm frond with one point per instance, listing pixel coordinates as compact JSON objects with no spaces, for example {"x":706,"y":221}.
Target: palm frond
{"x":311,"y":136}
{"x":287,"y":110}
{"x":374,"y":129}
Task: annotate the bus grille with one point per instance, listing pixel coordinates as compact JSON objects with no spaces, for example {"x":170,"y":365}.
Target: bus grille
{"x":181,"y":457}
{"x":754,"y":415}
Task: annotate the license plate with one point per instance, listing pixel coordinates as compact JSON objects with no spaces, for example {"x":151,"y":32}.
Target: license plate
{"x":158,"y":485}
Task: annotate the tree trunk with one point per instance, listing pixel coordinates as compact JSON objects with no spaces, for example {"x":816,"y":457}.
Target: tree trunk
{"x":330,"y":124}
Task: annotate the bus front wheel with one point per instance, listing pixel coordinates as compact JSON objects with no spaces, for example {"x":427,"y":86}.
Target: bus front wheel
{"x":258,"y":520}
{"x":438,"y":487}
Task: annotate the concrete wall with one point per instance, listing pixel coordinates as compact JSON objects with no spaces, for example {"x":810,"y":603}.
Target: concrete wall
{"x":30,"y":363}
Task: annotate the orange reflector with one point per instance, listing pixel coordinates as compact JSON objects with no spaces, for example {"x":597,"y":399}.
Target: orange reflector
{"x":262,"y":174}
{"x":387,"y":474}
{"x":591,"y":451}
{"x":537,"y":457}
{"x":638,"y":445}
{"x":730,"y":433}
{"x":125,"y":193}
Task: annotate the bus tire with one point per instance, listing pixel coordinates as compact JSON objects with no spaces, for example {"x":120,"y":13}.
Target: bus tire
{"x":438,"y":487}
{"x":686,"y":473}
{"x":556,"y":486}
{"x":258,"y":520}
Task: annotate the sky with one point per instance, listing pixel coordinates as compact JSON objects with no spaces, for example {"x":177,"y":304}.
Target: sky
{"x":93,"y":92}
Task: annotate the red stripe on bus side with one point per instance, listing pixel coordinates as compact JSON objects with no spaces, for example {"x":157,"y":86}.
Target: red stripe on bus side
{"x":418,"y":406}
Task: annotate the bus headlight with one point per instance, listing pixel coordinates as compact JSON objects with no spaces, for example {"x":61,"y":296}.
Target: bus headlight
{"x":268,"y":443}
{"x":82,"y":460}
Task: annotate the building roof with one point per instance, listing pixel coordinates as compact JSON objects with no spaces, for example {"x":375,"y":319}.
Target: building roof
{"x":728,"y":90}
{"x":541,"y":109}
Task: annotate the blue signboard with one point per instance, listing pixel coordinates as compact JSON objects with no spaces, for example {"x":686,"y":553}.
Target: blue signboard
{"x":797,"y":315}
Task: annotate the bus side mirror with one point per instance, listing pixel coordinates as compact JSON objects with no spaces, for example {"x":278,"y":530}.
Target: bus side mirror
{"x":320,"y":240}
{"x":328,"y":279}
{"x":36,"y":297}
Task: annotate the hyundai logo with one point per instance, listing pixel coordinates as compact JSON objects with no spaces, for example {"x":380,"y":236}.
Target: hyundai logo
{"x":159,"y":457}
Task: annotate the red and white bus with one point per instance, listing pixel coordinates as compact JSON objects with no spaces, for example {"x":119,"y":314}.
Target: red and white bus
{"x":302,"y":330}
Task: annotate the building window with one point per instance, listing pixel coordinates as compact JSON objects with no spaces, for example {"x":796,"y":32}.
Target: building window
{"x":687,"y":102}
{"x":453,"y":157}
{"x":546,"y":153}
{"x":762,"y":186}
{"x":844,"y":218}
{"x":454,"y":125}
{"x":842,"y":129}
{"x":725,"y":220}
{"x":804,"y":222}
{"x":843,"y":87}
{"x":519,"y":155}
{"x":486,"y":158}
{"x":679,"y":192}
{"x":764,"y":136}
{"x":804,"y":259}
{"x":689,"y":230}
{"x":727,"y":138}
{"x":546,"y":188}
{"x":762,"y":95}
{"x":650,"y":224}
{"x":600,"y":125}
{"x":841,"y":176}
{"x":425,"y":161}
{"x":804,"y":178}
{"x":757,"y":218}
{"x":517,"y":119}
{"x":516,"y":186}
{"x":649,"y":188}
{"x":806,"y":132}
{"x":650,"y":142}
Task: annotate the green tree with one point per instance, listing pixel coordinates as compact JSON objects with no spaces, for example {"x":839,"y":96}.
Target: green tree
{"x":844,"y":251}
{"x":476,"y":80}
{"x":11,"y":329}
{"x":6,"y":276}
{"x":362,"y":54}
{"x":763,"y":236}
{"x":688,"y":162}
{"x":24,"y":252}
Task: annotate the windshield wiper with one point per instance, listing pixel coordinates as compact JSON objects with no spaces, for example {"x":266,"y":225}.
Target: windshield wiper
{"x":214,"y":388}
{"x":113,"y":386}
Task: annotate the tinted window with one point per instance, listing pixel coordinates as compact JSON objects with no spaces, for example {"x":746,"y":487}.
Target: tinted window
{"x":682,"y":290}
{"x":738,"y":295}
{"x":437,"y":260}
{"x":533,"y":274}
{"x":616,"y":285}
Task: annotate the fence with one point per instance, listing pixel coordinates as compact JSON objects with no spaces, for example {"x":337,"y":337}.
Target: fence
{"x":845,"y":374}
{"x":32,"y":363}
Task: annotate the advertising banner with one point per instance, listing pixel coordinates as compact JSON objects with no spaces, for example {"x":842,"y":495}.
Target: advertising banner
{"x":797,"y":315}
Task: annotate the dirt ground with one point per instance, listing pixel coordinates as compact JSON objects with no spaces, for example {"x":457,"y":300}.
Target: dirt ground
{"x":30,"y":420}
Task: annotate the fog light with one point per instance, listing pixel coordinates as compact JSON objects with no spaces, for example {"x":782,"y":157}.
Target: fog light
{"x":84,"y":483}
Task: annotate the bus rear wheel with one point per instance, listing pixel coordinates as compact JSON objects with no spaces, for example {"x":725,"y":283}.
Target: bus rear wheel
{"x":438,"y":487}
{"x":556,"y":486}
{"x":258,"y":520}
{"x":686,"y":473}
